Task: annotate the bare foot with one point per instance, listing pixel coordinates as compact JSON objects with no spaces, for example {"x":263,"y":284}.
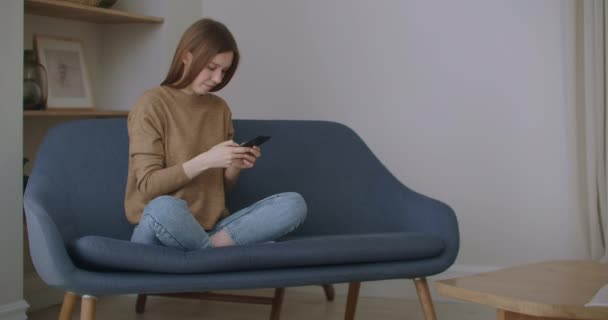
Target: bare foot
{"x":221,"y":239}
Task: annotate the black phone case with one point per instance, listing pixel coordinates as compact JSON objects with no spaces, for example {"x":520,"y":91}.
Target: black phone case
{"x":257,"y":141}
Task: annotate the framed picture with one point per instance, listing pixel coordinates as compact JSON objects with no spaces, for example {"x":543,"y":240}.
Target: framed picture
{"x":69,"y":86}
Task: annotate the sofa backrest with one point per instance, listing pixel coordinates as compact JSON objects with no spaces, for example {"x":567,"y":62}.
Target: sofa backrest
{"x":343,"y":183}
{"x":79,"y":176}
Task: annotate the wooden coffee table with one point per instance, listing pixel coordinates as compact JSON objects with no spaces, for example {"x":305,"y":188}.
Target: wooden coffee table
{"x":543,"y":291}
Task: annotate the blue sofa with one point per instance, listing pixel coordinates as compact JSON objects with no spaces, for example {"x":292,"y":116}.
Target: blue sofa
{"x":362,"y":225}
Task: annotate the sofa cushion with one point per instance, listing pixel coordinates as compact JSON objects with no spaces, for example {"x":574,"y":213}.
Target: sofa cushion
{"x":97,"y":252}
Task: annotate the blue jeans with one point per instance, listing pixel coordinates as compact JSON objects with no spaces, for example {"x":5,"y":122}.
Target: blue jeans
{"x":167,"y":221}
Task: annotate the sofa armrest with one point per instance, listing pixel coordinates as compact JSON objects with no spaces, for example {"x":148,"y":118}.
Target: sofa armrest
{"x":47,"y":247}
{"x":421,"y":213}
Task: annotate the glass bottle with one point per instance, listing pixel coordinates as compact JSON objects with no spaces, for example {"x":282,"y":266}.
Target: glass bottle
{"x":34,"y":82}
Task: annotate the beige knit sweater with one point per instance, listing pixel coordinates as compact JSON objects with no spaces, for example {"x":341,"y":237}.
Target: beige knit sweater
{"x":167,"y":128}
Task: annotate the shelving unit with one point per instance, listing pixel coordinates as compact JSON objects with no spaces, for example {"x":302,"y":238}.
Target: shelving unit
{"x":72,"y":11}
{"x":36,"y":123}
{"x":75,"y":113}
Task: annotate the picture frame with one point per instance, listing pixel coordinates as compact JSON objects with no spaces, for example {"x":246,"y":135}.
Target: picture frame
{"x":69,"y":85}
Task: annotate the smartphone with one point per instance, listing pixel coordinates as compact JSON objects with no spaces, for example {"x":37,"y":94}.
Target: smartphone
{"x":257,"y":141}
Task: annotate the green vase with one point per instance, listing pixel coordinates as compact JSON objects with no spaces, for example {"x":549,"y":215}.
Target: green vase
{"x":34,"y":82}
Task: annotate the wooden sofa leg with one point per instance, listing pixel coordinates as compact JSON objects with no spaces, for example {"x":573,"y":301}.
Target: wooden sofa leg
{"x":277,"y":303}
{"x":351,"y":300}
{"x":87,"y":307}
{"x":329,"y":292}
{"x":67,"y":307}
{"x":140,"y":305}
{"x":424,"y":295}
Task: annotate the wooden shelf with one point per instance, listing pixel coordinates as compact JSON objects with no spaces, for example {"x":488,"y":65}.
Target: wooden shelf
{"x":72,"y":11}
{"x":75,"y":113}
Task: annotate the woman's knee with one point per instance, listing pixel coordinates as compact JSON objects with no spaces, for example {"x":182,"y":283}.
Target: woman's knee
{"x":174,"y":225}
{"x":296,"y":206}
{"x":163,"y":206}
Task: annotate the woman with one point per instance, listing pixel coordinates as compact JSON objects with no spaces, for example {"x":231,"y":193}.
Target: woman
{"x":182,"y":158}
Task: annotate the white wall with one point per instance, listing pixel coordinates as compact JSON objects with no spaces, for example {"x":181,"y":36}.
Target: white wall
{"x":11,"y":69}
{"x":128,"y":72}
{"x":471,"y":102}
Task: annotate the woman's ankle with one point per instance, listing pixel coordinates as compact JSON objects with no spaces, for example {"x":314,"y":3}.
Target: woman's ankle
{"x":221,"y":239}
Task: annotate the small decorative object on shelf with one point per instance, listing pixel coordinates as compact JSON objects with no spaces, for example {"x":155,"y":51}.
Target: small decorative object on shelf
{"x":93,"y":3}
{"x":34,"y":82}
{"x":107,"y":3}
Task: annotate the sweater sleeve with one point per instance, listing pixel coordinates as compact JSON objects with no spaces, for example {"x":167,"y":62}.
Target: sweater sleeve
{"x":147,"y":152}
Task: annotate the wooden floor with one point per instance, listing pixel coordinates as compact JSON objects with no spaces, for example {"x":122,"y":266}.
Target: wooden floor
{"x":296,"y":306}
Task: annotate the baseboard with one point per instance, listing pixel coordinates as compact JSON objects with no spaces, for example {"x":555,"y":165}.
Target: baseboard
{"x":14,"y":311}
{"x":402,"y":288}
{"x":38,"y":294}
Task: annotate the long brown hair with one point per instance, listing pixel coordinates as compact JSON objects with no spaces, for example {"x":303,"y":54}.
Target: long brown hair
{"x":204,"y":39}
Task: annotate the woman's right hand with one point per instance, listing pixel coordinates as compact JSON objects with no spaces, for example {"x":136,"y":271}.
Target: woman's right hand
{"x":221,"y":155}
